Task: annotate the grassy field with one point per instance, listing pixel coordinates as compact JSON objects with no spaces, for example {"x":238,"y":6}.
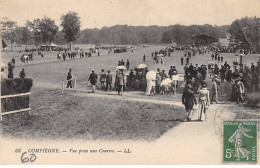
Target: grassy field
{"x":72,"y":116}
{"x":63,"y":116}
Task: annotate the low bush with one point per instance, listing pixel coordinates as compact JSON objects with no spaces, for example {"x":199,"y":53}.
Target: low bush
{"x":15,"y":86}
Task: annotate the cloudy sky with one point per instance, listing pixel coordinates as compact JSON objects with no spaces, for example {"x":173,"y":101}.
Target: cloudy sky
{"x":99,"y":13}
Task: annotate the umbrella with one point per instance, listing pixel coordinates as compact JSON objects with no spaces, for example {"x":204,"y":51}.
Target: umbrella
{"x":121,"y":67}
{"x":151,"y":75}
{"x":166,"y":81}
{"x":140,"y":66}
{"x":161,"y":55}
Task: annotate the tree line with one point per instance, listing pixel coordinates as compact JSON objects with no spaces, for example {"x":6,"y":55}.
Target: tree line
{"x":243,"y":32}
{"x":42,"y":30}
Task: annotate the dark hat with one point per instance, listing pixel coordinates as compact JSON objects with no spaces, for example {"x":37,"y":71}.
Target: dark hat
{"x":204,"y":84}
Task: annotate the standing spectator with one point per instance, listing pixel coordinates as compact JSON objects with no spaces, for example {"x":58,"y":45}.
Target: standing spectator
{"x":10,"y":70}
{"x":163,"y":75}
{"x":127,"y":64}
{"x":22,"y":74}
{"x":158,"y":81}
{"x":162,"y":59}
{"x":252,"y":68}
{"x":108,"y":80}
{"x":212,"y":56}
{"x":221,"y":59}
{"x":63,"y":56}
{"x":69,"y":79}
{"x":188,"y":100}
{"x":93,"y":80}
{"x":214,"y":90}
{"x":187,"y":61}
{"x":3,"y":76}
{"x":122,"y":63}
{"x":102,"y":79}
{"x":182,"y":59}
{"x":257,"y":75}
{"x":240,"y":91}
{"x":222,"y":73}
{"x":144,"y":58}
{"x":13,"y":61}
{"x":170,"y":73}
{"x":120,"y":83}
{"x":204,"y":100}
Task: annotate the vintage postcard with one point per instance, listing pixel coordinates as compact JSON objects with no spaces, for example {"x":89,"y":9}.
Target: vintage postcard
{"x":130,"y":82}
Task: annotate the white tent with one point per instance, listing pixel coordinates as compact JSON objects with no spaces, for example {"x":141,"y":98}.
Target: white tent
{"x":53,"y":45}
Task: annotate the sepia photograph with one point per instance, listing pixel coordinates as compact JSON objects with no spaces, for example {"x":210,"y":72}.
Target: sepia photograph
{"x":130,"y":82}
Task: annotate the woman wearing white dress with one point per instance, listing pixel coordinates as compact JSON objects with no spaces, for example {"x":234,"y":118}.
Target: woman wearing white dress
{"x":204,"y":101}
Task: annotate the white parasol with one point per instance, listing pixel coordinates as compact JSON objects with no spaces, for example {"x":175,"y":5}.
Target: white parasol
{"x":120,"y":67}
{"x":151,"y":75}
{"x":167,"y":81}
{"x":161,"y":55}
{"x":141,"y":66}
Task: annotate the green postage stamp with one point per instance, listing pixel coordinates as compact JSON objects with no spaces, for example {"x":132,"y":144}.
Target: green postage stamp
{"x":240,"y":141}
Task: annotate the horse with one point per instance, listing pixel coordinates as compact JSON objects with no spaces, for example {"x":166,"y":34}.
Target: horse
{"x":24,"y":57}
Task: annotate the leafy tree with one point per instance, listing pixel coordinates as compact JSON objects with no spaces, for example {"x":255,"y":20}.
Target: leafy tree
{"x":48,"y":30}
{"x":8,"y":30}
{"x":245,"y":33}
{"x":34,"y":27}
{"x":70,"y":26}
{"x":23,"y":35}
{"x":44,"y":30}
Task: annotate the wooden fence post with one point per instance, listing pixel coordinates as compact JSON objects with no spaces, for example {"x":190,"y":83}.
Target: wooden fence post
{"x":75,"y":85}
{"x":62,"y":86}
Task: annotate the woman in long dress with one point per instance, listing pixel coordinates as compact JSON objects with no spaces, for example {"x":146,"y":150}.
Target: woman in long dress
{"x":236,"y":138}
{"x":204,"y":101}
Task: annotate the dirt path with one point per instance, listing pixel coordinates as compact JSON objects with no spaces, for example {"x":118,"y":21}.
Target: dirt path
{"x":192,"y":142}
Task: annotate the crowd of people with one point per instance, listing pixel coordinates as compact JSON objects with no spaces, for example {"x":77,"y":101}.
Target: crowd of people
{"x":198,"y":90}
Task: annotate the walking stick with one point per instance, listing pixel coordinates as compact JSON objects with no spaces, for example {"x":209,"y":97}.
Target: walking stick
{"x":199,"y":113}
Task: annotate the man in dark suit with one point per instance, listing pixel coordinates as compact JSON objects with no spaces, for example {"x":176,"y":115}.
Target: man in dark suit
{"x":188,"y":100}
{"x":127,"y":64}
{"x":22,"y":74}
{"x":108,"y":81}
{"x":120,"y":83}
{"x":69,"y":78}
{"x":93,"y":80}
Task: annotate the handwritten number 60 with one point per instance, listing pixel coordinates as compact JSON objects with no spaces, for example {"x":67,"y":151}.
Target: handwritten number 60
{"x":27,"y":159}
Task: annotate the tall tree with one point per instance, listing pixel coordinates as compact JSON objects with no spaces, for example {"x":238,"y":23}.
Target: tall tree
{"x":44,"y":30}
{"x":70,"y":26}
{"x":34,"y":27}
{"x":8,"y":28}
{"x":48,"y":30}
{"x":23,"y":35}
